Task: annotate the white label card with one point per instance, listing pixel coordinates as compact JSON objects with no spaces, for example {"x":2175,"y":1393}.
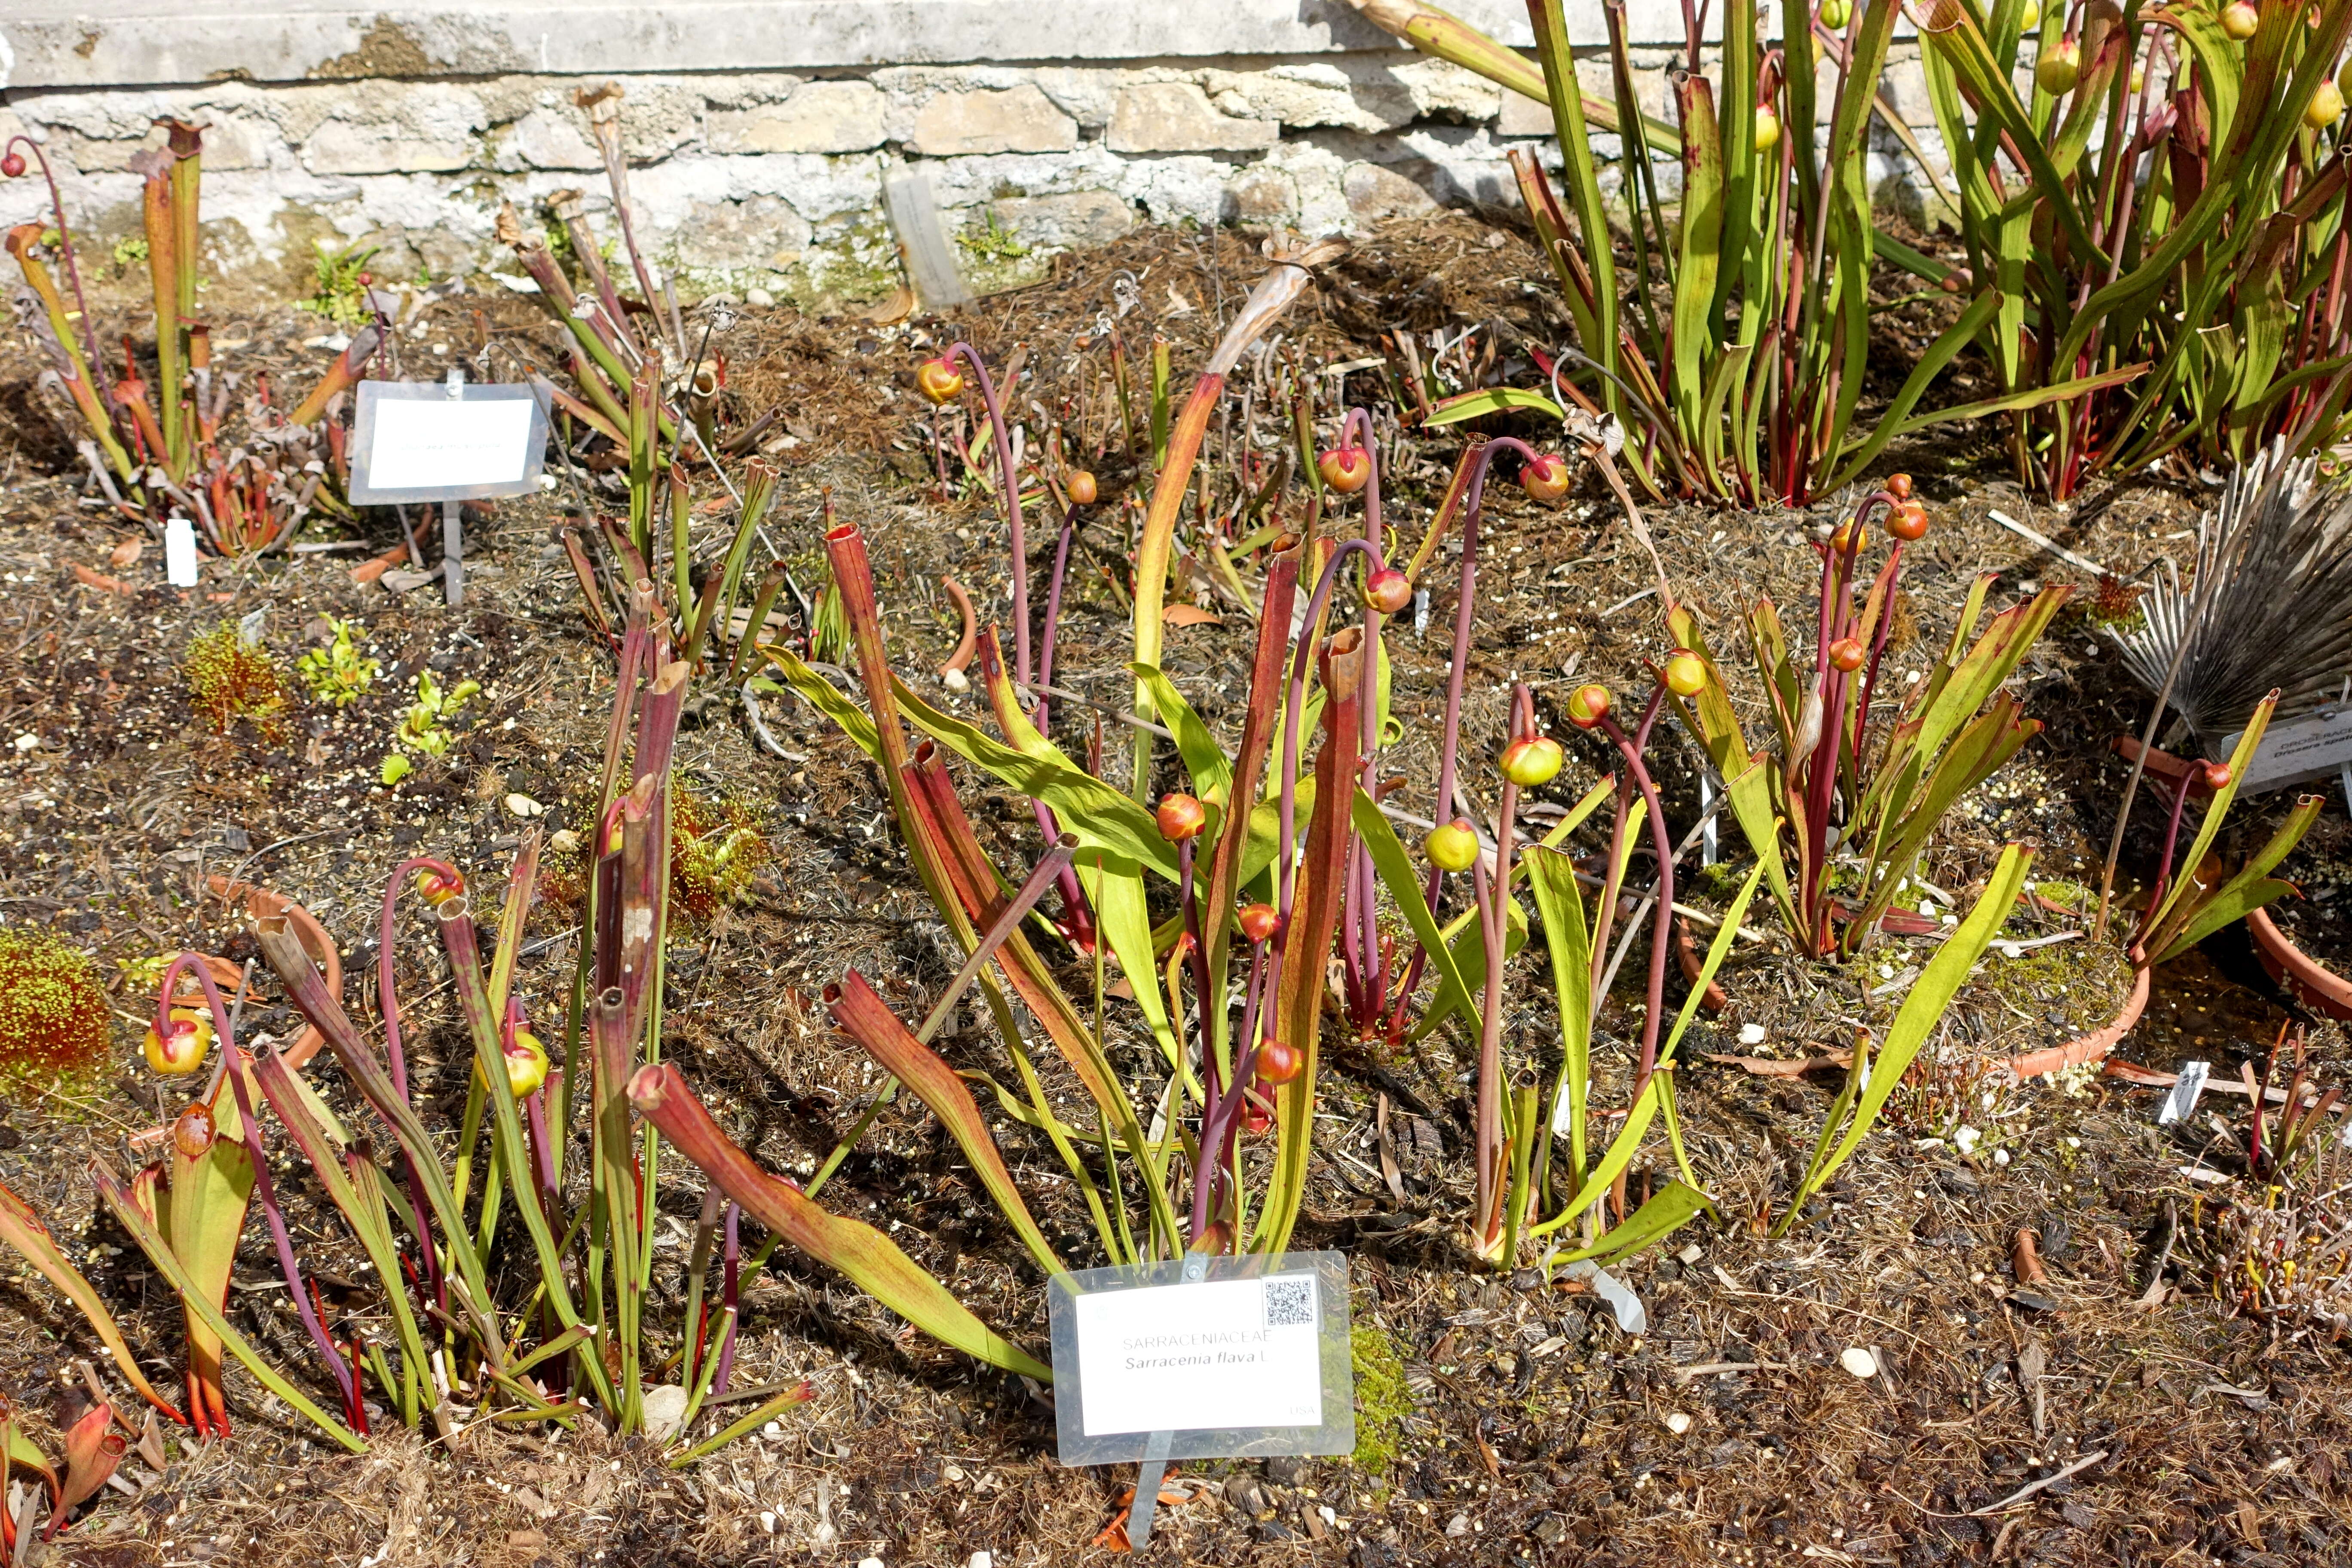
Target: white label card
{"x":427,"y":444}
{"x":2181,"y":1102}
{"x":1221,"y":1353}
{"x":445,"y":441}
{"x":2309,"y":746}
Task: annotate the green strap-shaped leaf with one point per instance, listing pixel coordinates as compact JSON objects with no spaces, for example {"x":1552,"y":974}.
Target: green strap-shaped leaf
{"x":2250,"y":889}
{"x":1567,"y":937}
{"x":2215,"y":810}
{"x":1487,"y":400}
{"x":1925,"y":1004}
{"x":871,"y":1260}
{"x":1204,"y":760}
{"x":1395,"y":870}
{"x":1618,"y":1156}
{"x":192,"y":1298}
{"x":1115,"y":888}
{"x":1669,"y":1209}
{"x":1717,"y":951}
{"x":22,"y":1229}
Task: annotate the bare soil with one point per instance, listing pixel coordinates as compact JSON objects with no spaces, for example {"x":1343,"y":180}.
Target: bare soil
{"x":1529,"y":1427}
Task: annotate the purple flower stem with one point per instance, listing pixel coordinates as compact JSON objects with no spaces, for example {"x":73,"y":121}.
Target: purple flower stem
{"x":1008,"y":490}
{"x":1661,"y":924}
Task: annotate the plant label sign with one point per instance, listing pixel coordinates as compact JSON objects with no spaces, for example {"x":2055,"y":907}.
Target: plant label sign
{"x":1252,"y":1358}
{"x":445,"y":441}
{"x":2309,"y":746}
{"x":2181,"y":1103}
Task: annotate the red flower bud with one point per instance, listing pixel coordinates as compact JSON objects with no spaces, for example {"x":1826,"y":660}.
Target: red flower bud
{"x":1080,"y":484}
{"x":1588,"y":705}
{"x":1180,"y":818}
{"x":1908,"y":522}
{"x":1345,"y":468}
{"x":1388,"y":591}
{"x":1278,"y":1062}
{"x":12,"y":164}
{"x":1260,"y":921}
{"x":1545,"y":477}
{"x":1686,"y":673}
{"x":1452,"y":846}
{"x":192,"y":1134}
{"x":939,"y":381}
{"x":1847,"y":653}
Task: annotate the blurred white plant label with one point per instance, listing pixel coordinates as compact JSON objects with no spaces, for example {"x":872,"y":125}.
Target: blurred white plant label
{"x":431,"y":441}
{"x":2181,"y":1103}
{"x":1253,"y":1358}
{"x":2310,"y":746}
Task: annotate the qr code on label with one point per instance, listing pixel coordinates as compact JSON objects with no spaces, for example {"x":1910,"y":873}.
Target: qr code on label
{"x":1289,"y":1301}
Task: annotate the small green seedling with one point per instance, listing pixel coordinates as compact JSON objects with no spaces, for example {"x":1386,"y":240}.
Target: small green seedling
{"x":422,"y":727}
{"x":341,"y":284}
{"x":338,"y":674}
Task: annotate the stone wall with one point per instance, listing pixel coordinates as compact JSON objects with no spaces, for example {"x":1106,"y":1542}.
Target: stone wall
{"x":758,"y":147}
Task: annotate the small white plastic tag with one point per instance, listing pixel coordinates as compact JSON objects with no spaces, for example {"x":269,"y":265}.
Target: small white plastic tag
{"x":180,"y":552}
{"x":2181,"y":1103}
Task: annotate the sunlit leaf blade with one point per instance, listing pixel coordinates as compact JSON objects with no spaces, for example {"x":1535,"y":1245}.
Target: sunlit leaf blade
{"x":22,"y":1229}
{"x":1922,"y":1007}
{"x":871,"y":1260}
{"x":2250,"y":889}
{"x":151,"y":1241}
{"x":868,"y":1020}
{"x":1668,"y":1210}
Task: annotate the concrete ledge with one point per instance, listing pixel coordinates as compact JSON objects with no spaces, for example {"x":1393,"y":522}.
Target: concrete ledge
{"x":117,"y":43}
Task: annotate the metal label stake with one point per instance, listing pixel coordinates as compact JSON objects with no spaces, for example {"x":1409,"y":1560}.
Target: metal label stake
{"x":1155,"y":1450}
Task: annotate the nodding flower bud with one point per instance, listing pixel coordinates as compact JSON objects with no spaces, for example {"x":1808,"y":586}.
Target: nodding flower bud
{"x":525,"y":1063}
{"x":1847,"y":653}
{"x":2060,"y":66}
{"x":1452,"y":846}
{"x":1180,"y":818}
{"x":436,"y":888}
{"x":2326,"y":108}
{"x":12,"y":165}
{"x":1260,"y":921}
{"x":2240,"y":21}
{"x":2218,"y":776}
{"x":1345,"y":468}
{"x":939,"y":381}
{"x":1545,"y":477}
{"x":1767,"y":128}
{"x":1686,"y":673}
{"x":1531,"y":762}
{"x":1908,"y":521}
{"x":1899,"y":486}
{"x":1388,"y":591}
{"x":1080,"y":486}
{"x":1278,"y":1062}
{"x":2030,"y":20}
{"x":1588,"y":705}
{"x":1842,"y":538}
{"x":1836,"y":14}
{"x":192,"y":1133}
{"x":181,"y":1047}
